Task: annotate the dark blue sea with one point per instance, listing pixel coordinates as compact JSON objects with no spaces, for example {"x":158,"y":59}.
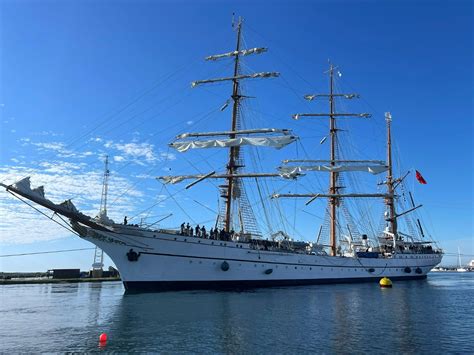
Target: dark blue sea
{"x":430,"y":316}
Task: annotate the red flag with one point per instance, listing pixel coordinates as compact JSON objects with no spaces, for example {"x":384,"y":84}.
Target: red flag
{"x":420,"y":178}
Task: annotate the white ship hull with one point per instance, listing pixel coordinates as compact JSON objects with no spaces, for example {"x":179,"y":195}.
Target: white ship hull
{"x":168,"y":261}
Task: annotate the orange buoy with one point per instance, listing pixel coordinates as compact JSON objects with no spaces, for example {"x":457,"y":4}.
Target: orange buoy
{"x":103,"y":338}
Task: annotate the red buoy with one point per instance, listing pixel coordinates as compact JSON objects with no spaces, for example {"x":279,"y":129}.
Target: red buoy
{"x":103,"y":338}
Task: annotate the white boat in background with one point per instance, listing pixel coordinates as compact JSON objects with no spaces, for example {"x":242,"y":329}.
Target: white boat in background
{"x":460,"y":268}
{"x":239,"y":254}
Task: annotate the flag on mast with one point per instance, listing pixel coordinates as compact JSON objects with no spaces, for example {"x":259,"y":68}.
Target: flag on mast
{"x":420,"y":178}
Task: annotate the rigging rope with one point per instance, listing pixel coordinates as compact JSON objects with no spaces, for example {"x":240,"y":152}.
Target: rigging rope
{"x":45,"y":252}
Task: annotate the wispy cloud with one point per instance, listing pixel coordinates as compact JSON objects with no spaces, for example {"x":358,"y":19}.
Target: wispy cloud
{"x":135,"y":150}
{"x":21,"y":224}
{"x":76,"y":174}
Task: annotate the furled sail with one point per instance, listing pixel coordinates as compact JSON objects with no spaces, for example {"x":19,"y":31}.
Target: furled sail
{"x":234,"y":53}
{"x":66,"y":208}
{"x":373,"y":169}
{"x":238,"y":77}
{"x":239,"y":132}
{"x":180,"y":178}
{"x":275,"y":142}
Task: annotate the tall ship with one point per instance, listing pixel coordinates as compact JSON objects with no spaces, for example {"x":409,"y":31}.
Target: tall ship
{"x":234,"y":253}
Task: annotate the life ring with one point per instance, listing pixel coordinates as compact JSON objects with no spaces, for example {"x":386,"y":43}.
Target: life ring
{"x":225,"y":266}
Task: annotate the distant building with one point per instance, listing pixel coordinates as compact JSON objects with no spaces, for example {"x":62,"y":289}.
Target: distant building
{"x":65,"y":273}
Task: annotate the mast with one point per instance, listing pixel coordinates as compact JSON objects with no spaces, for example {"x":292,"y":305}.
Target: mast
{"x":333,"y":195}
{"x":234,"y":139}
{"x":333,"y":175}
{"x":390,"y":200}
{"x":234,"y":151}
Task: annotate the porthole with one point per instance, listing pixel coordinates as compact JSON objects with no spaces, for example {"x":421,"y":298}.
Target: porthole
{"x":185,"y":239}
{"x":199,"y":241}
{"x":190,"y":261}
{"x":311,"y":268}
{"x":175,"y":238}
{"x":212,"y":243}
{"x":154,"y":235}
{"x":255,"y":265}
{"x":296,"y":267}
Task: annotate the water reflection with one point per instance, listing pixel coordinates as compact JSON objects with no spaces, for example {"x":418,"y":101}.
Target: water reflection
{"x":411,"y":317}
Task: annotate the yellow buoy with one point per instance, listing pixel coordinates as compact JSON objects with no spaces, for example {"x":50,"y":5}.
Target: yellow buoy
{"x":385,"y":282}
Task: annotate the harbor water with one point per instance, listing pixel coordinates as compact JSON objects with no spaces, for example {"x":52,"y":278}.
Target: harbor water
{"x":429,"y":316}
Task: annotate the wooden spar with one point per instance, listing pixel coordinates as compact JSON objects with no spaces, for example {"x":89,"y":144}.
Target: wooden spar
{"x":226,"y":133}
{"x":286,"y":161}
{"x":408,"y":211}
{"x":333,"y":175}
{"x":331,"y":114}
{"x":390,"y":200}
{"x":330,"y":195}
{"x":213,"y":175}
{"x":199,"y":180}
{"x":233,"y":150}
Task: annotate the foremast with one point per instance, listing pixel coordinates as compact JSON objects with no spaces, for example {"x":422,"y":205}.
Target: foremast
{"x":235,"y":138}
{"x":233,"y":151}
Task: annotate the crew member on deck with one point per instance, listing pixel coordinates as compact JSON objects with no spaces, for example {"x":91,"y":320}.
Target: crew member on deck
{"x":198,"y":231}
{"x":182,"y":228}
{"x":125,"y":222}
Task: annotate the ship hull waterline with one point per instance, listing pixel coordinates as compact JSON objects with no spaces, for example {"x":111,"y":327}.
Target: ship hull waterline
{"x":158,"y":261}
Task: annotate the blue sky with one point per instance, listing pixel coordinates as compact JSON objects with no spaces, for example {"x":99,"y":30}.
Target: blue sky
{"x":81,"y":79}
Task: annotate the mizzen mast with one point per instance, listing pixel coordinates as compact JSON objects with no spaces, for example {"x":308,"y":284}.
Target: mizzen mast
{"x":390,"y":200}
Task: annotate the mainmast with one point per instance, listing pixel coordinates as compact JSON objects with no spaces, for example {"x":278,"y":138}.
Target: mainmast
{"x":333,"y":175}
{"x":335,"y":165}
{"x":234,"y":151}
{"x":390,"y":200}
